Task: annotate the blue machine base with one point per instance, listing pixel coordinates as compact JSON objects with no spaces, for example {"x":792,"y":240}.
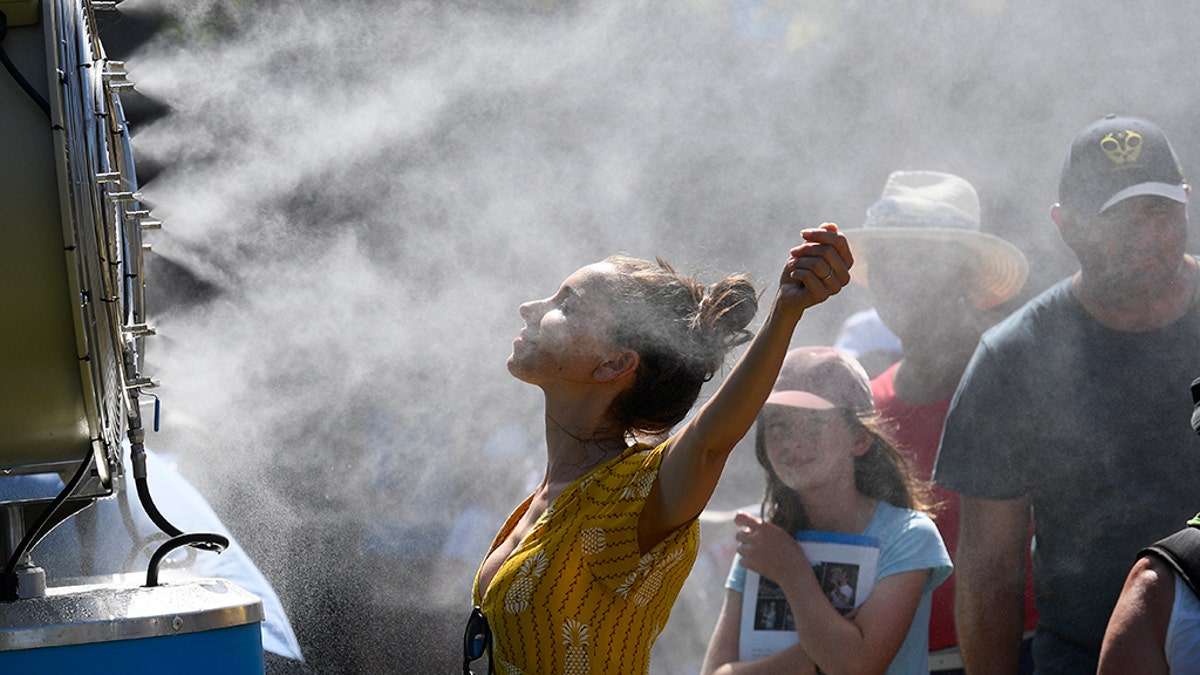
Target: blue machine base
{"x":227,"y":651}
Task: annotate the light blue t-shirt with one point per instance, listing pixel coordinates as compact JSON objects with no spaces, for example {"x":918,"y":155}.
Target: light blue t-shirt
{"x":1183,"y":631}
{"x":908,"y":540}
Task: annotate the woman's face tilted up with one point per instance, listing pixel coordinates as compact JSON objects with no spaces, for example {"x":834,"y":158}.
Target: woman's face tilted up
{"x":565,"y":338}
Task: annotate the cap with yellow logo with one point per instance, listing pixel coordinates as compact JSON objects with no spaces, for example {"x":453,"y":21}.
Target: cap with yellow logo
{"x":1116,"y":158}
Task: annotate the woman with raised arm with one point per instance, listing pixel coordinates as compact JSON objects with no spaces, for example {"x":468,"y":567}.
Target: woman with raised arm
{"x":582,"y":577}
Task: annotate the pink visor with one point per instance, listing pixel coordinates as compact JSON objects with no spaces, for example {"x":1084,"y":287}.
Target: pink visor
{"x":799,"y":399}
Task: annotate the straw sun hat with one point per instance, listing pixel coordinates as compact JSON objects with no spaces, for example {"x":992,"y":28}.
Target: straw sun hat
{"x":928,"y":209}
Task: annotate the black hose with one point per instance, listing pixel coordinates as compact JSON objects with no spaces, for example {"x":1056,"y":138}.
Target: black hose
{"x":9,"y":583}
{"x":213,"y":542}
{"x":143,"y":491}
{"x":137,"y":448}
{"x":16,"y":74}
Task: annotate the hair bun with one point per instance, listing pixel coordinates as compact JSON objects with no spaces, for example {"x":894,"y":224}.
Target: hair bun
{"x":728,"y":308}
{"x":682,"y":329}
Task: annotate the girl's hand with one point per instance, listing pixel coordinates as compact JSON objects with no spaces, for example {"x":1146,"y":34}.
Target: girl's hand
{"x":767,"y":548}
{"x":817,"y":269}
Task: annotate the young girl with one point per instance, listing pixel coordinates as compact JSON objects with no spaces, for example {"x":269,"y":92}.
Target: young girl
{"x":582,"y":577}
{"x":829,"y":468}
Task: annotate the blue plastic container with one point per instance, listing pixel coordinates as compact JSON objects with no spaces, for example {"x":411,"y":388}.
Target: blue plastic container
{"x":204,"y":626}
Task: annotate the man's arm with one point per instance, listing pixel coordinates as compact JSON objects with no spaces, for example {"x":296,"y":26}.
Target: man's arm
{"x":1137,"y":631}
{"x":989,"y":596}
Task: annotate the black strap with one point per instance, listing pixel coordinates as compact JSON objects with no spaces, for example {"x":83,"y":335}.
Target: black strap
{"x":1196,"y":405}
{"x":1182,"y":552}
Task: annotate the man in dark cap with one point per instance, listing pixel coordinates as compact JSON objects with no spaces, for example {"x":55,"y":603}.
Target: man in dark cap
{"x":1068,"y":412}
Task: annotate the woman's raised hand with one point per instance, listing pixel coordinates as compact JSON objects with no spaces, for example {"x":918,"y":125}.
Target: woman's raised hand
{"x":817,"y":269}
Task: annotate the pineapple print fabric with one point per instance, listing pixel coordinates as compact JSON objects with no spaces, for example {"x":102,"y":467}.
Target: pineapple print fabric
{"x":576,"y":596}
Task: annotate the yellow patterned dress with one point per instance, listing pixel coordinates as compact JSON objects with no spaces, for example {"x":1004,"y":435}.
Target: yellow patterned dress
{"x":576,"y":597}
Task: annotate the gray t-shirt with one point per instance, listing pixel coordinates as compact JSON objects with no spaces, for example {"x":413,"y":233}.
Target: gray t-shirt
{"x":1092,"y":427}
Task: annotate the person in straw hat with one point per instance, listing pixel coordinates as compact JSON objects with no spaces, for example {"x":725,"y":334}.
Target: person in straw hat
{"x":938,"y":283}
{"x":1067,"y":416}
